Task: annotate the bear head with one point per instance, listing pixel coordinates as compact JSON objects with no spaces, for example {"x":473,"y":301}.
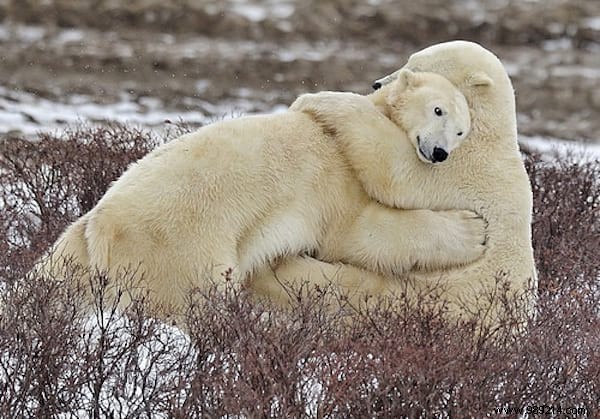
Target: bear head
{"x":479,"y":75}
{"x":432,"y":111}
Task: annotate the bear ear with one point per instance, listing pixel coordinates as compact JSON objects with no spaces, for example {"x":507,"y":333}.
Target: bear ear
{"x":479,"y":79}
{"x":407,"y":78}
{"x":379,"y":83}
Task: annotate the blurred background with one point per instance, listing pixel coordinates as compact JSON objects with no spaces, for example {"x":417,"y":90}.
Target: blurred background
{"x":148,"y":62}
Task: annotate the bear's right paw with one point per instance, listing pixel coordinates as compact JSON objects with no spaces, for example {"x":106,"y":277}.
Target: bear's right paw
{"x":466,"y":236}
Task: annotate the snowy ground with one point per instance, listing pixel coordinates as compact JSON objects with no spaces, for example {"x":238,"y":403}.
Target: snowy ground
{"x":142,"y":63}
{"x":554,"y":147}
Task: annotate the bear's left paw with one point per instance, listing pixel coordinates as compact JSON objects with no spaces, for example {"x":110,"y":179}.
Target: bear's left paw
{"x":334,"y":103}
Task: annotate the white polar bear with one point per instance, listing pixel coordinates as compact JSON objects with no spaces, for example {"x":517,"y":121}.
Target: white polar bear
{"x":485,"y":175}
{"x":238,"y":194}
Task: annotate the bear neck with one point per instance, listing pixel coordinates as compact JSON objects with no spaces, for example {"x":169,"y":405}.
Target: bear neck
{"x":493,"y":121}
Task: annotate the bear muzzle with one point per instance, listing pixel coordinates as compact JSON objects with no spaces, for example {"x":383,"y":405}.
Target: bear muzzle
{"x":438,"y":154}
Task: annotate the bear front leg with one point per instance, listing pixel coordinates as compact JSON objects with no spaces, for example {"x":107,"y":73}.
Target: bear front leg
{"x":344,"y":110}
{"x":395,"y":241}
{"x":379,"y":151}
{"x":331,"y":103}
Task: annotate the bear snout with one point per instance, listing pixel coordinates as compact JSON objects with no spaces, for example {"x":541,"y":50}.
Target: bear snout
{"x":376,"y":85}
{"x":439,"y":155}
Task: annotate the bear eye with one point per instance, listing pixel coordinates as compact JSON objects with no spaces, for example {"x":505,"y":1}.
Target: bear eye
{"x":460,"y":133}
{"x":438,"y":111}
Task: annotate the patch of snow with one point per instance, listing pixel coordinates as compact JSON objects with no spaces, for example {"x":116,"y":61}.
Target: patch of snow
{"x":592,"y":22}
{"x":282,"y":10}
{"x":313,"y":391}
{"x":319,"y":52}
{"x":560,"y":44}
{"x":170,"y":342}
{"x":574,"y":70}
{"x":310,"y":389}
{"x":29,"y":113}
{"x":150,"y":102}
{"x":202,"y":85}
{"x":202,"y":48}
{"x":25,"y":33}
{"x":553,"y":147}
{"x":279,"y":108}
{"x":244,"y":92}
{"x":11,"y":119}
{"x":67,"y":36}
{"x":277,"y":10}
{"x":252,"y":12}
{"x":156,"y":355}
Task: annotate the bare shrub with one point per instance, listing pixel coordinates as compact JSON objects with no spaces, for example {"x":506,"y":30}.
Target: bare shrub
{"x":51,"y":181}
{"x":64,"y":356}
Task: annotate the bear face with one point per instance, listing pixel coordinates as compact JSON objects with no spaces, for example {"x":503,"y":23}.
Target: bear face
{"x":432,"y":111}
{"x":479,"y":75}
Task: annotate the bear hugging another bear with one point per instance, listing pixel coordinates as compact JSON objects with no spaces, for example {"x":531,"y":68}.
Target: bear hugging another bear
{"x":485,"y":174}
{"x":383,"y":196}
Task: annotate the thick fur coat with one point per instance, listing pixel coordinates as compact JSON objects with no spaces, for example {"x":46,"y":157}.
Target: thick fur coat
{"x":485,"y":175}
{"x":237,"y":195}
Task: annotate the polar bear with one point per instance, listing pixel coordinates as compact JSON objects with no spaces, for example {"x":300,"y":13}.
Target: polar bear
{"x":225,"y":200}
{"x":485,"y":175}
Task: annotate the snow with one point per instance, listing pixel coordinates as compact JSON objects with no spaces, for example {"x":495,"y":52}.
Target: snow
{"x":559,"y":44}
{"x":252,"y":12}
{"x":30,"y":34}
{"x":25,"y":33}
{"x":592,"y":23}
{"x":276,"y":10}
{"x":67,"y":36}
{"x":202,"y":85}
{"x":282,"y":10}
{"x":28,"y":113}
{"x":575,"y":70}
{"x":553,"y":147}
{"x":201,"y":47}
{"x":310,"y":388}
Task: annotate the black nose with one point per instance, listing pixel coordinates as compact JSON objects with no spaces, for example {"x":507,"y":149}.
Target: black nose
{"x":439,"y":154}
{"x":376,"y":85}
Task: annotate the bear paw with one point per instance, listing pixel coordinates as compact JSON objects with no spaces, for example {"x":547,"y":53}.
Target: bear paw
{"x":464,"y":234}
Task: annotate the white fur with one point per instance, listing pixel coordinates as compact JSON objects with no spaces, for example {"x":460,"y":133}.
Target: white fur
{"x":446,"y":130}
{"x":238,"y":194}
{"x":485,"y":175}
